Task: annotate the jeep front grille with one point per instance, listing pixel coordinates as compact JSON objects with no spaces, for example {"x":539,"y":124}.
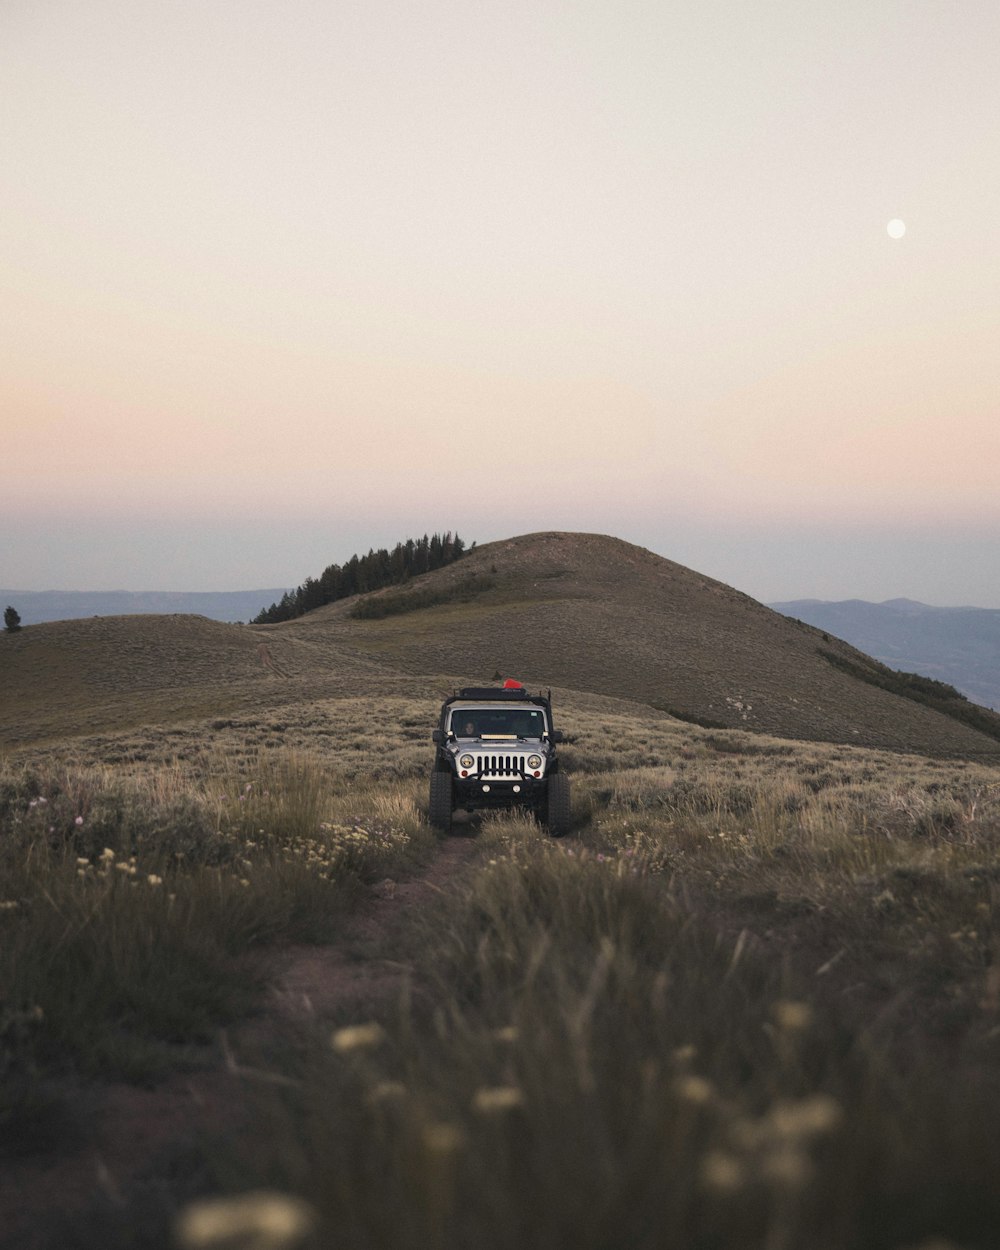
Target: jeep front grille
{"x":499,"y":765}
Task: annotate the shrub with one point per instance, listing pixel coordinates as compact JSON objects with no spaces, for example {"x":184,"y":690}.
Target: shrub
{"x":937,"y":695}
{"x":375,"y":607}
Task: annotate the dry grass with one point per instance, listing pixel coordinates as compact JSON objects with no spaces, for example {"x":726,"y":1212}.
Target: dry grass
{"x":70,"y":678}
{"x":641,"y":627}
{"x":130,"y":901}
{"x":752,"y":1001}
{"x":705,"y":1021}
{"x":647,"y":629}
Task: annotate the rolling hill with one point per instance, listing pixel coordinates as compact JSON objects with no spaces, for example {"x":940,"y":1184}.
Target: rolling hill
{"x":578,"y":611}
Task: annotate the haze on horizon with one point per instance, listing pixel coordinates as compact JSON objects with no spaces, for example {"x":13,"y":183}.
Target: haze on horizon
{"x":283,"y":282}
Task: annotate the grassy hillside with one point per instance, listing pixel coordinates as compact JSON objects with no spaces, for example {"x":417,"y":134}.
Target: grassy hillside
{"x":108,"y":673}
{"x":580,"y":611}
{"x":594,"y":613}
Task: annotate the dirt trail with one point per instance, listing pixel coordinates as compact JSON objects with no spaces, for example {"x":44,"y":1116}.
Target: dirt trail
{"x":268,"y":661}
{"x":317,"y":981}
{"x":130,"y":1127}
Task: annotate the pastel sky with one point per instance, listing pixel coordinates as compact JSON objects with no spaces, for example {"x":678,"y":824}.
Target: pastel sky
{"x":282,"y":281}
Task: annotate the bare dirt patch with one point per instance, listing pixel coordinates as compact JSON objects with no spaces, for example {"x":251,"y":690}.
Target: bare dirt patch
{"x":315,"y":983}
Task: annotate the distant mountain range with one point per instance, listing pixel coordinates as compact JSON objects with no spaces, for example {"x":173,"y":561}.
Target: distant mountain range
{"x":35,"y":606}
{"x":960,"y":646}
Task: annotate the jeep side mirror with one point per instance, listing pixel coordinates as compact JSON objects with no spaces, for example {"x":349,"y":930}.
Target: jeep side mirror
{"x":557,"y":735}
{"x":437,"y":737}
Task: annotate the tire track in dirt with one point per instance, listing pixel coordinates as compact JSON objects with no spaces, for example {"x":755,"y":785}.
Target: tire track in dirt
{"x":313,"y":982}
{"x":268,"y":660}
{"x":131,"y":1128}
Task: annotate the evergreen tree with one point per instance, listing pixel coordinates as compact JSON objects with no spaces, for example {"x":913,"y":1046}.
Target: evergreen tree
{"x":310,"y":595}
{"x":11,"y":620}
{"x":364,"y":573}
{"x":331,"y":581}
{"x":397,"y":564}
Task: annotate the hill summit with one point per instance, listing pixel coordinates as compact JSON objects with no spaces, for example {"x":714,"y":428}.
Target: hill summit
{"x":592,"y":612}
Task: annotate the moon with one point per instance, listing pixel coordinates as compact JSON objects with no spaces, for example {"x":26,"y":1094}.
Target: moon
{"x":896,"y":228}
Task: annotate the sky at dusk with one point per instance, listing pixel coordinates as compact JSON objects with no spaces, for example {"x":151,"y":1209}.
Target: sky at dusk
{"x":281,"y":282}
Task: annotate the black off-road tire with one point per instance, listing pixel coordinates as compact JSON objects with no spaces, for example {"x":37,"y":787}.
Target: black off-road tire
{"x":439,"y":808}
{"x":557,"y":805}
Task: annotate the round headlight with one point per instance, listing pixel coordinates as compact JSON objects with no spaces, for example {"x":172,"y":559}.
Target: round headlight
{"x":534,"y":761}
{"x":466,"y":761}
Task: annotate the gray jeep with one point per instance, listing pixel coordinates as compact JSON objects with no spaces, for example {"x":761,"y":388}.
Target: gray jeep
{"x":496,"y":748}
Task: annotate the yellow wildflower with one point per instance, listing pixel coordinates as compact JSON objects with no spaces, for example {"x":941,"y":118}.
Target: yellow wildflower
{"x":722,"y":1171}
{"x":387,"y":1091}
{"x":496,"y":1099}
{"x":694,"y":1089}
{"x":805,"y":1117}
{"x":793,"y":1017}
{"x":259,"y":1220}
{"x":357,"y":1037}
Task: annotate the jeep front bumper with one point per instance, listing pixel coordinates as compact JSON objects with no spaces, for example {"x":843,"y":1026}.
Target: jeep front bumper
{"x":489,"y":791}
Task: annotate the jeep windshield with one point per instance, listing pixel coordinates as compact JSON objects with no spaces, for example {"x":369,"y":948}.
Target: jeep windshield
{"x":497,"y":722}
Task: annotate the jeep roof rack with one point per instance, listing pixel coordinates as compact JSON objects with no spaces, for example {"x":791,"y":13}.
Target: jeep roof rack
{"x":492,"y":692}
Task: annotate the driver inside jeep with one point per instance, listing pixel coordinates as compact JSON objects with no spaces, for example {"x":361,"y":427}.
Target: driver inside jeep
{"x":499,"y":723}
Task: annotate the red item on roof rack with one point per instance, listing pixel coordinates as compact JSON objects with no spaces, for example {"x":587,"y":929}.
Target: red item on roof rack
{"x":511,"y":684}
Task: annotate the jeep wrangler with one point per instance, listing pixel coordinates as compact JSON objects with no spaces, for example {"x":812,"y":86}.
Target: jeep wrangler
{"x":496,"y":748}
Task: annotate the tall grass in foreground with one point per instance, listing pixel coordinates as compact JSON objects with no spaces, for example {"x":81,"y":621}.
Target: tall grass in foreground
{"x":753,"y":1001}
{"x":587,"y":1059}
{"x":128,"y":907}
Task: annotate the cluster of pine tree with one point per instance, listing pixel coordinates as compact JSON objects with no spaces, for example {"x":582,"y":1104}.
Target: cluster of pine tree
{"x":363,"y":573}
